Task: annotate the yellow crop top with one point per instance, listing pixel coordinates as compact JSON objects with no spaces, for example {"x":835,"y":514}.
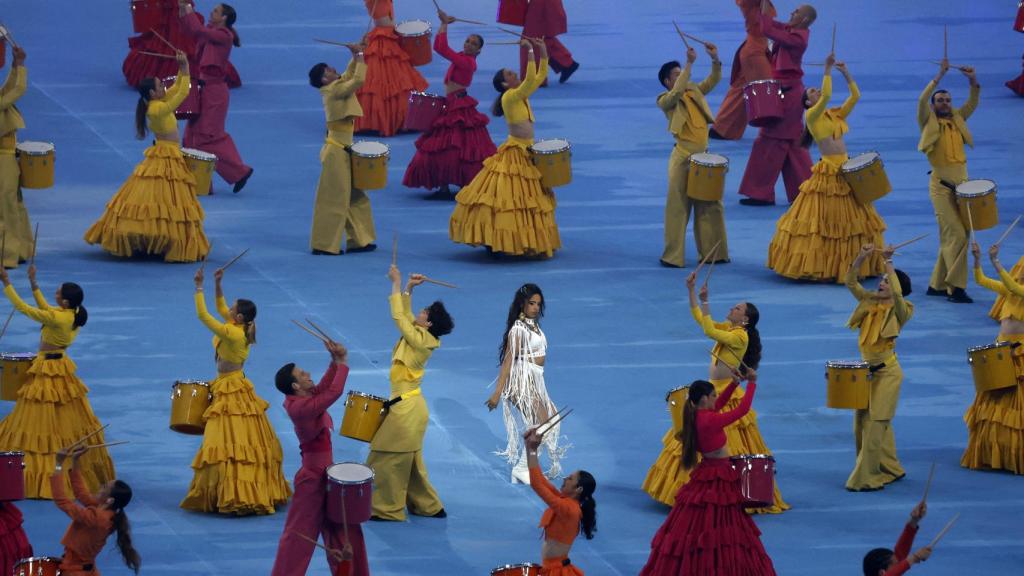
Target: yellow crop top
{"x":831,"y":122}
{"x":514,"y":101}
{"x":160,"y":113}
{"x":730,"y":341}
{"x":57,"y":322}
{"x":229,"y":339}
{"x":13,"y":88}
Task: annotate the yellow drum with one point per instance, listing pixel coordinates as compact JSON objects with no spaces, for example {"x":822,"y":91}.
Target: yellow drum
{"x":35,"y":160}
{"x":364,"y":413}
{"x":553,"y":158}
{"x":14,"y":373}
{"x":201,"y":165}
{"x":675,"y":400}
{"x":980,"y":195}
{"x":865,"y":173}
{"x":189,"y":400}
{"x":849,"y":384}
{"x":370,"y":165}
{"x":706,"y":180}
{"x":992,"y":366}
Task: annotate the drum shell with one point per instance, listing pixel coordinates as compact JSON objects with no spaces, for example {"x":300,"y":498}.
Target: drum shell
{"x":13,"y":375}
{"x":555,"y":167}
{"x":191,"y":106}
{"x":992,"y":367}
{"x":705,"y":182}
{"x":37,"y":566}
{"x":189,"y":401}
{"x":3,"y":52}
{"x":357,"y":498}
{"x":146,"y":15}
{"x":423,"y":110}
{"x":763,"y":101}
{"x":869,"y":182}
{"x":417,"y":47}
{"x":363,"y":416}
{"x":202,"y":170}
{"x":512,"y":12}
{"x":524,"y":569}
{"x":12,"y":476}
{"x":848,"y":387}
{"x":757,"y":479}
{"x":984,"y":210}
{"x":369,"y":172}
{"x":675,"y":399}
{"x":37,"y":170}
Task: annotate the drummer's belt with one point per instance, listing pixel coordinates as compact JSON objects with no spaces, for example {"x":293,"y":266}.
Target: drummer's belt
{"x":334,"y":142}
{"x":53,"y":356}
{"x":872,"y":368}
{"x":400,"y":397}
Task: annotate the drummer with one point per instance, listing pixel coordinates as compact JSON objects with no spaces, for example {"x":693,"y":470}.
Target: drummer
{"x":750,"y":64}
{"x":943,"y":135}
{"x":879,"y":316}
{"x":13,"y":216}
{"x":307,"y":405}
{"x":885,"y":562}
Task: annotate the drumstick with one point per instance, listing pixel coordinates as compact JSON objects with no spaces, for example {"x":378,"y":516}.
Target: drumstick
{"x":35,"y":238}
{"x":960,"y":68}
{"x":310,"y":540}
{"x":554,"y":423}
{"x":719,"y":358}
{"x":928,"y":484}
{"x":158,"y":55}
{"x":550,"y":417}
{"x":514,"y":33}
{"x":970,"y":219}
{"x":6,"y":33}
{"x":945,"y":42}
{"x":8,"y":321}
{"x":87,"y":436}
{"x":1001,"y":238}
{"x":108,"y":444}
{"x":436,"y":6}
{"x":162,"y":39}
{"x":439,"y":283}
{"x":908,"y":242}
{"x":944,"y":530}
{"x":317,"y":328}
{"x":503,"y":43}
{"x":708,"y":277}
{"x":331,"y":42}
{"x":833,"y":38}
{"x":394,"y":249}
{"x":680,"y":32}
{"x":695,"y":39}
{"x":712,"y":251}
{"x":372,"y":19}
{"x":233,"y":260}
{"x":477,"y":22}
{"x":318,"y":337}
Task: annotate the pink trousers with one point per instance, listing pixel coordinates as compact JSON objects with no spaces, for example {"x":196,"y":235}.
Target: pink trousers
{"x":207,"y":132}
{"x":770,"y":156}
{"x":558,"y":56}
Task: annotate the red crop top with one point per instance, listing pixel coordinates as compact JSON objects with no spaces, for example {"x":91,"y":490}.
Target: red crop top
{"x":711,"y":423}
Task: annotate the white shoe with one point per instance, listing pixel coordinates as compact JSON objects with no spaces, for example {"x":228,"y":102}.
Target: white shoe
{"x":521,"y":475}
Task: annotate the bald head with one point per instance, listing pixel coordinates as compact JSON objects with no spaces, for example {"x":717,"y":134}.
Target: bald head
{"x":803,"y":16}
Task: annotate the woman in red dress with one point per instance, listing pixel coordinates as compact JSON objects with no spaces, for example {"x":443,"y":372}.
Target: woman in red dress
{"x":14,"y":544}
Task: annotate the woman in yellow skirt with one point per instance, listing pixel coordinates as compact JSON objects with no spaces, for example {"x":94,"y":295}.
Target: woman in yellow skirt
{"x":823,"y":230}
{"x":52,"y":410}
{"x":13,"y":216}
{"x":156,"y":211}
{"x":995,"y":421}
{"x":238,"y":467}
{"x":737,"y":346}
{"x":505,"y":208}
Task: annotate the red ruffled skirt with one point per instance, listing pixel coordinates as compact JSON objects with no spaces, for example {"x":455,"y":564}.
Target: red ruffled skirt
{"x":1017,"y":85}
{"x":137,"y":66}
{"x":455,"y":147}
{"x":14,"y":544}
{"x":390,"y":78}
{"x":707,"y":531}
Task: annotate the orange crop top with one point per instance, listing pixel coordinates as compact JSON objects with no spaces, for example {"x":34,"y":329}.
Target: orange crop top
{"x":561,"y":521}
{"x":160,"y":113}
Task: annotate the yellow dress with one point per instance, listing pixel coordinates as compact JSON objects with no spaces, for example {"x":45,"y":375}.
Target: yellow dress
{"x":997,"y":311}
{"x":13,"y":215}
{"x":238,"y":467}
{"x":52,"y":410}
{"x":155,"y":211}
{"x":505,"y":207}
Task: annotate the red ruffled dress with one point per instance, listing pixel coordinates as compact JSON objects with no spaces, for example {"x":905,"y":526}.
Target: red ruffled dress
{"x":707,"y":531}
{"x":453,"y":150}
{"x":14,"y":544}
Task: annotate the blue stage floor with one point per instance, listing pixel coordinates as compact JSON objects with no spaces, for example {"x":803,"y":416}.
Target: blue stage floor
{"x":619,"y":330}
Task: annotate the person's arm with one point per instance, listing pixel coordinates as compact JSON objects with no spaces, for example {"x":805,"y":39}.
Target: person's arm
{"x":1007,"y":283}
{"x":36,"y":292}
{"x":728,"y":338}
{"x":852,"y":283}
{"x":899,"y":305}
{"x":668,"y":100}
{"x":16,"y":84}
{"x":220,"y":329}
{"x":1010,"y":284}
{"x":726,"y":394}
{"x":851,"y":100}
{"x":516,"y":336}
{"x":538,"y":482}
{"x":47,"y":317}
{"x":77,"y":512}
{"x":354,"y":76}
{"x":924,"y":101}
{"x":781,"y":34}
{"x":441,"y":44}
{"x":972,"y":100}
{"x":177,"y":93}
{"x":330,"y":388}
{"x":715,"y":76}
{"x":214,"y":35}
{"x":401,"y":314}
{"x":814,"y":112}
{"x":725,"y":418}
{"x":79,"y":488}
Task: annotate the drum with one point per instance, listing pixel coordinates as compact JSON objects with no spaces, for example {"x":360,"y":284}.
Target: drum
{"x":349,"y":484}
{"x":525,"y":569}
{"x":757,"y":479}
{"x":424,"y":108}
{"x":414,"y":38}
{"x":675,"y":398}
{"x":35,"y":160}
{"x":14,"y":373}
{"x":553,"y":158}
{"x":3,"y":48}
{"x":364,"y":414}
{"x":12,"y":476}
{"x":146,"y":14}
{"x":512,"y":12}
{"x":191,"y":106}
{"x":865,"y":173}
{"x":980,"y":195}
{"x":201,"y":165}
{"x":992,"y":366}
{"x":370,"y":165}
{"x":37,"y":566}
{"x":764,"y":102}
{"x":706,"y":180}
{"x":848,"y":384}
{"x":1018,"y":24}
{"x":189,"y":400}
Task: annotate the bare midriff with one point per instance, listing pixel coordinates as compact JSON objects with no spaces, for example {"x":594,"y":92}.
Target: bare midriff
{"x":167,"y":136}
{"x":1010,"y":327}
{"x":832,"y":147}
{"x":719,"y":370}
{"x":453,"y":87}
{"x":384,"y":22}
{"x":223,"y":367}
{"x":47,"y":347}
{"x":521,"y":130}
{"x":722,"y":452}
{"x":554,"y":549}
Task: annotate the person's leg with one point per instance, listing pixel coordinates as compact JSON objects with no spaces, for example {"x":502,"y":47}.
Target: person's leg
{"x":796,"y":169}
{"x":359,"y":227}
{"x":333,"y":194}
{"x":709,"y":230}
{"x":767,"y":157}
{"x":305,"y":517}
{"x":950,"y":271}
{"x":391,"y":482}
{"x":422,"y":499}
{"x":677,"y":209}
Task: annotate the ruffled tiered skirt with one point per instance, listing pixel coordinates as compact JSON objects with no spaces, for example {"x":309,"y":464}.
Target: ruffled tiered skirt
{"x":821,"y":233}
{"x":14,"y":544}
{"x":238,"y":467}
{"x":505,"y":207}
{"x":995,"y":425}
{"x":707,"y":531}
{"x":455,"y":147}
{"x":155,"y":211}
{"x":667,"y":475}
{"x":390,"y":78}
{"x":52,"y":412}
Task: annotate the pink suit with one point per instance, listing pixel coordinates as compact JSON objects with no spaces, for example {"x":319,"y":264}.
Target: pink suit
{"x":546,"y":19}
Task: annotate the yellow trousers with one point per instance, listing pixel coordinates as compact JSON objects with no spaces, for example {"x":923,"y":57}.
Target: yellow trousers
{"x":951,"y":265}
{"x":400,"y":481}
{"x":339,"y":209}
{"x":877,"y":463}
{"x":13,"y":216}
{"x":708,"y":217}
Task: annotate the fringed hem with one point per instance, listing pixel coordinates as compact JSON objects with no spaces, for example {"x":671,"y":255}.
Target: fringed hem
{"x":384,"y":96}
{"x":453,"y":150}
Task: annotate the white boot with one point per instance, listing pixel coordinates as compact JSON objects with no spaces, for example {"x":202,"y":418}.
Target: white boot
{"x":521,"y":472}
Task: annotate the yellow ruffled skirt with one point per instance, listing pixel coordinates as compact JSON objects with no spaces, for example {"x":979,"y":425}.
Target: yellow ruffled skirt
{"x":821,"y":233}
{"x":155,"y":211}
{"x":52,"y":412}
{"x":1009,"y":306}
{"x":505,"y":207}
{"x":667,"y":475}
{"x":238,"y":468}
{"x":995,"y":425}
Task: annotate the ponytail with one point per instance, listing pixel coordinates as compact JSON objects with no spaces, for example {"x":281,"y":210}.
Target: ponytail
{"x":588,"y":521}
{"x":74,"y":294}
{"x":248,"y":311}
{"x":250,"y":333}
{"x":499,"y":85}
{"x":121,"y":493}
{"x":230,"y":15}
{"x":752,"y":357}
{"x":142,"y":106}
{"x":687,"y":435}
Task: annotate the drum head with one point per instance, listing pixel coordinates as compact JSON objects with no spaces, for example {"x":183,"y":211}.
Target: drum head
{"x":846,"y":364}
{"x":5,"y":454}
{"x":551,"y":146}
{"x":186,"y":382}
{"x":975,"y":187}
{"x":861,"y":160}
{"x":198,"y":154}
{"x":362,"y":395}
{"x":426,"y":95}
{"x":35,"y":148}
{"x":18,"y":356}
{"x":370,"y":149}
{"x":413,"y":28}
{"x":349,"y":473}
{"x":709,"y":159}
{"x":988,"y":347}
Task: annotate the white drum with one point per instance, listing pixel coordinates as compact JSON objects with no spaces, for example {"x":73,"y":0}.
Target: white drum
{"x":413,"y":28}
{"x":35,"y":160}
{"x":370,"y":165}
{"x":978,"y":196}
{"x":553,"y":157}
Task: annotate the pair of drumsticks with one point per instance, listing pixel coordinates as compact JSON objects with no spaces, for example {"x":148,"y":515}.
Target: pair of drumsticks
{"x":552,"y":421}
{"x":78,"y":443}
{"x":5,"y":32}
{"x":924,"y":498}
{"x":970,"y":222}
{"x":165,"y":41}
{"x":3,"y":255}
{"x":945,"y":51}
{"x":394,"y":262}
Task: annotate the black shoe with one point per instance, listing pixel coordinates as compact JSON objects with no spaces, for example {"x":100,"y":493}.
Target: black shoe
{"x":376,"y":518}
{"x":368,"y":248}
{"x":848,"y":490}
{"x":897,"y":478}
{"x":720,"y":261}
{"x":755,"y":202}
{"x":960,"y":297}
{"x":933,"y":292}
{"x":440,"y":514}
{"x":568,"y":72}
{"x":714,"y":135}
{"x":669,"y":264}
{"x":241,"y":183}
{"x":444,"y":193}
{"x":326,"y":253}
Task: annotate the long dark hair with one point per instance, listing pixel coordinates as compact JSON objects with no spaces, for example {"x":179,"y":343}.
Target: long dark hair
{"x":499,"y":85}
{"x":588,"y":521}
{"x":806,"y":139}
{"x":229,"y":22}
{"x":144,"y":88}
{"x":752,"y":357}
{"x":121,"y":493}
{"x":247,"y":308}
{"x":74,"y":294}
{"x":687,"y":435}
{"x":524,"y":293}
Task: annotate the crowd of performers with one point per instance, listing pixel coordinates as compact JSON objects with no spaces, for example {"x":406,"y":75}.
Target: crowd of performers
{"x":825,"y":235}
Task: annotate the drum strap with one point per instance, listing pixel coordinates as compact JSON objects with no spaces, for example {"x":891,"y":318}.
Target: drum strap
{"x":334,"y":142}
{"x":876,"y":367}
{"x":400,"y":397}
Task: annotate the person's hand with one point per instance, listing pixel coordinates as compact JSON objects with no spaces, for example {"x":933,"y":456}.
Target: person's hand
{"x":712,"y":50}
{"x":691,"y":55}
{"x":830,"y":60}
{"x":532,"y":439}
{"x":841,"y":66}
{"x":691,"y":280}
{"x":920,"y":555}
{"x":887,"y":252}
{"x":3,"y":275}
{"x":198,"y":278}
{"x":919,"y":512}
{"x":354,"y":47}
{"x":393,"y":274}
{"x":77,"y":452}
{"x":943,"y":67}
{"x":416,"y":279}
{"x":969,"y":72}
{"x":525,"y":43}
{"x":19,"y":55}
{"x":492,"y":402}
{"x":181,"y":58}
{"x":975,"y":251}
{"x":993,"y":253}
{"x":338,"y":352}
{"x":751,"y":374}
{"x":343,"y":555}
{"x":218,"y":275}
{"x":31,"y":273}
{"x":865,"y":250}
{"x":703,"y":294}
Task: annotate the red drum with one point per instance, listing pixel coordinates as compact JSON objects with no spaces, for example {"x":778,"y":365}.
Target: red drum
{"x":146,"y":14}
{"x":3,"y":51}
{"x":192,"y":104}
{"x":512,"y":12}
{"x":414,"y":38}
{"x":1018,"y":25}
{"x":12,"y":476}
{"x":349,"y":485}
{"x":757,"y":479}
{"x":525,"y":569}
{"x":37,"y":566}
{"x":764,"y":102}
{"x":424,"y":108}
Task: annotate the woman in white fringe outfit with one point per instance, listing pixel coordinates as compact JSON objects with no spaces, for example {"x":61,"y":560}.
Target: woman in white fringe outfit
{"x":521,"y":383}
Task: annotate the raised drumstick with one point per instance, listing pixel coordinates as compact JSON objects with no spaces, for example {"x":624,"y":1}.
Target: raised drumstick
{"x":710,"y":252}
{"x":439,"y":283}
{"x":681,"y":35}
{"x":707,"y":278}
{"x":105,"y":445}
{"x":945,"y":42}
{"x":317,"y":328}
{"x":158,"y":55}
{"x":35,"y":239}
{"x":87,"y":436}
{"x":233,"y":260}
{"x":317,"y":336}
{"x":331,"y":42}
{"x":928,"y":484}
{"x":695,"y":39}
{"x":550,"y":417}
{"x":477,"y":22}
{"x":955,"y":67}
{"x":503,"y":43}
{"x":944,"y":530}
{"x":394,"y":249}
{"x":1008,"y":230}
{"x":719,"y":358}
{"x":554,"y":423}
{"x":833,"y":38}
{"x":908,"y":242}
{"x":8,"y":321}
{"x":436,"y":6}
{"x":162,"y":39}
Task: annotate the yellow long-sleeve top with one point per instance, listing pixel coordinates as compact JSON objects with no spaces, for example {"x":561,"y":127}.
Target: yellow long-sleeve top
{"x":10,"y":117}
{"x":160,"y":113}
{"x":879,"y":321}
{"x":1006,"y":286}
{"x":229,"y":339}
{"x":686,"y":109}
{"x":942,"y":140}
{"x":730,"y":341}
{"x":824,"y":122}
{"x":413,"y":349}
{"x":515,"y":103}
{"x":57,"y":322}
{"x":339,"y":98}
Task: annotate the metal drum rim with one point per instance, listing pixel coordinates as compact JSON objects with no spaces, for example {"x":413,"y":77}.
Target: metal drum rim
{"x":752,"y":456}
{"x":12,"y":453}
{"x":187,"y":153}
{"x":992,"y":190}
{"x":47,"y":152}
{"x":18,"y":355}
{"x":33,"y":558}
{"x":992,"y":346}
{"x":699,"y":163}
{"x":418,"y":34}
{"x":522,"y":565}
{"x":762,"y":82}
{"x":365,"y":395}
{"x":846,"y":364}
{"x":199,"y":382}
{"x":385,"y":153}
{"x":428,"y":94}
{"x":349,"y":482}
{"x":676,"y":389}
{"x":876,"y":159}
{"x":568,"y":147}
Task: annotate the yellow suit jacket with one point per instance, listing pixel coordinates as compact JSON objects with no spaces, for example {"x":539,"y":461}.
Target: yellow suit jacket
{"x":929,"y":123}
{"x":673,"y":102}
